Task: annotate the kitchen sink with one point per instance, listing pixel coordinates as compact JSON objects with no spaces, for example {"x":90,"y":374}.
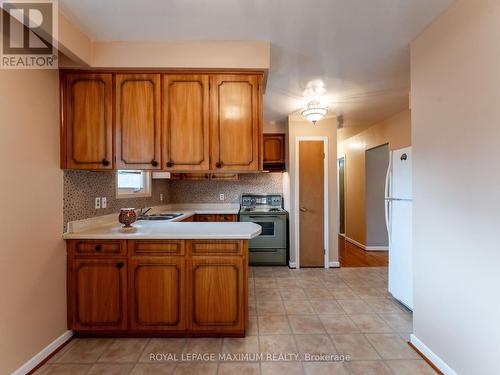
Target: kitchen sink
{"x":159,"y":216}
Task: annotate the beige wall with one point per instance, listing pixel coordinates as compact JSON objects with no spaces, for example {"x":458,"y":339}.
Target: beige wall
{"x":455,"y":79}
{"x":32,"y":255}
{"x":300,"y":127}
{"x":396,"y":131}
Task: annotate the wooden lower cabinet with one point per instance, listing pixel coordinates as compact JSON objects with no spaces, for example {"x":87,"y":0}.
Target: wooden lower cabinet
{"x":215,"y":217}
{"x":218,"y":294}
{"x":98,"y":290}
{"x":167,"y":288}
{"x":157,"y":293}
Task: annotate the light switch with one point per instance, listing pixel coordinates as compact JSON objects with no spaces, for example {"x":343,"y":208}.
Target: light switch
{"x":104,"y":202}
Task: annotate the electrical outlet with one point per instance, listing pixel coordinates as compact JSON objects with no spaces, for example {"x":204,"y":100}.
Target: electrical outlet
{"x":104,"y":202}
{"x":97,"y":203}
{"x":221,"y":196}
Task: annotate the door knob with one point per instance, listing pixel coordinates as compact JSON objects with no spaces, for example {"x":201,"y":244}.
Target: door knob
{"x":302,"y":209}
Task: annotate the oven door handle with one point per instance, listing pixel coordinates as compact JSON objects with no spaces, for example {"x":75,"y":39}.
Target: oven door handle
{"x":263,"y":217}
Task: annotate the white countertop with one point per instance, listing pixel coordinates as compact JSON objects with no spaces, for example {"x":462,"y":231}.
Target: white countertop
{"x":107,"y":226}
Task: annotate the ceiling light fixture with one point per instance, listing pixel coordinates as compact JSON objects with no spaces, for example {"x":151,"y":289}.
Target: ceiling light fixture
{"x":314,"y":112}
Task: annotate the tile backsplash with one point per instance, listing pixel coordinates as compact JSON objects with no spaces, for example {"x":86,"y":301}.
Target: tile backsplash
{"x":82,"y":187}
{"x":207,"y":191}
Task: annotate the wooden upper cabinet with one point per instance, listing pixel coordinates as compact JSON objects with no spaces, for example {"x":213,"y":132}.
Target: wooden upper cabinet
{"x":138,"y":121}
{"x":274,"y":148}
{"x":236,"y":122}
{"x":186,"y":122}
{"x":87,"y":121}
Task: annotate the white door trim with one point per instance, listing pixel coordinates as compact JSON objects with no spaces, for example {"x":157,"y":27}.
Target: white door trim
{"x":296,"y":198}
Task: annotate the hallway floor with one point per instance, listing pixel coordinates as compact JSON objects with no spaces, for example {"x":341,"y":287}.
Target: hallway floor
{"x":308,"y":312}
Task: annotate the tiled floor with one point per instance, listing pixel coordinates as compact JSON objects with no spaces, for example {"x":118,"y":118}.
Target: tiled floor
{"x":336,"y":311}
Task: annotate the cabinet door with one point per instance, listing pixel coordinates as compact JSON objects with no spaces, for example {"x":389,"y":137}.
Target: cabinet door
{"x":98,"y":290}
{"x":186,"y":122}
{"x":138,"y":121}
{"x":236,"y":128}
{"x":158,"y":293}
{"x":274,"y":148}
{"x":218,"y":294}
{"x":87,"y":121}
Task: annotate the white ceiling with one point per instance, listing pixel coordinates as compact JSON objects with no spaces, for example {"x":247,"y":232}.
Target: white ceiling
{"x":353,"y":54}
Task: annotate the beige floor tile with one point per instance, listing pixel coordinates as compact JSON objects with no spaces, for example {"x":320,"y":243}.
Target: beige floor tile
{"x":314,"y":344}
{"x":391,"y":346}
{"x":277,"y":344}
{"x":291,"y":283}
{"x":273,"y":324}
{"x":305,"y":324}
{"x":298,"y":307}
{"x":311,"y":283}
{"x":238,"y":368}
{"x":196,"y":368}
{"x":252,"y":307}
{"x":410,"y":367}
{"x":343,"y":293}
{"x":110,"y":369}
{"x":85,"y":351}
{"x":355,"y":306}
{"x":369,"y":293}
{"x":292,"y":294}
{"x":248,"y":344}
{"x":325,"y":368}
{"x":282,"y":368}
{"x":270,"y":308}
{"x":262,"y":271}
{"x":163,"y":346}
{"x":322,"y":293}
{"x":368,"y":368}
{"x":265,"y":283}
{"x":203,"y":345}
{"x":338,"y":324}
{"x":61,"y":352}
{"x":326,"y":306}
{"x":253,"y":328}
{"x":356,"y":346}
{"x":124,"y":350}
{"x":385,"y":306}
{"x":63,"y":369}
{"x":267,"y":294}
{"x":370,"y":323}
{"x":399,"y":322}
{"x":153,"y":369}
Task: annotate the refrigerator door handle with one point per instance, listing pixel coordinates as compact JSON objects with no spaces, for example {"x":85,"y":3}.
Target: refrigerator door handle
{"x":388,"y":177}
{"x":387,"y":207}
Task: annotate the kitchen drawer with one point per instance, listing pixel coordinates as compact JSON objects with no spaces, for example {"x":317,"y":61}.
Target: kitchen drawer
{"x":158,"y":247}
{"x":228,"y":217}
{"x":206,"y":247}
{"x":205,"y":217}
{"x":98,"y":247}
{"x":267,"y":257}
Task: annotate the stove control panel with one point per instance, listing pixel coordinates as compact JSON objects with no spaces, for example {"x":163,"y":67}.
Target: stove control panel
{"x":252,"y":200}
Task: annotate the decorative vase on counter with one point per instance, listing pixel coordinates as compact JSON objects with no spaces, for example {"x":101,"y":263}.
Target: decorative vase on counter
{"x":127,"y":217}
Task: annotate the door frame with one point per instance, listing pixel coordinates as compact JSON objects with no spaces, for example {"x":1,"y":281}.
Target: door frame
{"x":340,"y":157}
{"x":298,"y":139}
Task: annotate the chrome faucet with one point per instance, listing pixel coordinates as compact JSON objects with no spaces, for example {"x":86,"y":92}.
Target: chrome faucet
{"x":144,"y":211}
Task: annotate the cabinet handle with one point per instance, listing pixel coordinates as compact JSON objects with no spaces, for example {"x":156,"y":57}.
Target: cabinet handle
{"x":170,"y":163}
{"x":98,"y":248}
{"x":154,"y":163}
{"x":119,"y":265}
{"x":104,"y":162}
{"x":218,"y":164}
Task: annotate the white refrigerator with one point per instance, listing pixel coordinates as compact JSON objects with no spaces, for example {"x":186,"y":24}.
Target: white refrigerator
{"x":398,"y":219}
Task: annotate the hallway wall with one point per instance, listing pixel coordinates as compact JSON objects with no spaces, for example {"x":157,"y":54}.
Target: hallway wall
{"x":395,"y":131}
